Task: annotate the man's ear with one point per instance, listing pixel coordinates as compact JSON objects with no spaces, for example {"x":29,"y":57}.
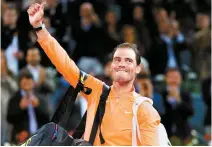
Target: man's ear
{"x":139,"y":68}
{"x":110,"y":68}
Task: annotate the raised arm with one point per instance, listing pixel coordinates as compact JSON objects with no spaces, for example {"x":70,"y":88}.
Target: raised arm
{"x":52,"y":48}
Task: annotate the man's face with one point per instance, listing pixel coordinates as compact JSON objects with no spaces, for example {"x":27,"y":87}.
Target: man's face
{"x":33,"y":57}
{"x":110,"y":18}
{"x":129,"y":35}
{"x":202,"y":21}
{"x":173,"y":78}
{"x":27,"y":84}
{"x":138,"y":13}
{"x":10,"y":17}
{"x":161,"y":15}
{"x":86,"y":9}
{"x":124,"y":66}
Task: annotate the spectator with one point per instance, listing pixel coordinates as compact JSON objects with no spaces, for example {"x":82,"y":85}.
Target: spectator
{"x":201,"y":47}
{"x":24,"y":28}
{"x":178,"y":107}
{"x":10,"y":39}
{"x":40,"y":76}
{"x":201,"y":63}
{"x":8,"y":88}
{"x":58,"y":20}
{"x":4,"y":6}
{"x":26,"y":112}
{"x":161,"y":15}
{"x":90,"y":24}
{"x":140,"y":25}
{"x":85,"y":32}
{"x":44,"y":83}
{"x":176,"y":43}
{"x":128,"y":34}
{"x":47,"y":22}
{"x":111,"y":22}
{"x":112,"y":30}
{"x":167,"y":39}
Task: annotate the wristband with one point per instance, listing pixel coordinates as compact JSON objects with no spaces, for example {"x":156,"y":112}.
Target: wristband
{"x":39,"y":28}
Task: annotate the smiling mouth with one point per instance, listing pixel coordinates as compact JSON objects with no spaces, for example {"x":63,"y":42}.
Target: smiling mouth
{"x":121,"y":71}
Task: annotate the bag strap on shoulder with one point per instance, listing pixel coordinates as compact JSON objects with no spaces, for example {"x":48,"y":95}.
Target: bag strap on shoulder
{"x":99,"y":115}
{"x":97,"y":120}
{"x":64,"y":110}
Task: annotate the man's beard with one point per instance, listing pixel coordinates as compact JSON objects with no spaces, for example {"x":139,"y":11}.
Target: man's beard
{"x":122,"y":80}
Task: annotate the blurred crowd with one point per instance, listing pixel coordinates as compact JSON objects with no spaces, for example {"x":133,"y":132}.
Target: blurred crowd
{"x":173,"y":37}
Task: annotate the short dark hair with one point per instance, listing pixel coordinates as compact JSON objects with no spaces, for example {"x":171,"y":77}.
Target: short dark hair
{"x":170,"y":69}
{"x":12,"y":6}
{"x":33,"y":48}
{"x":25,"y":74}
{"x":133,"y":47}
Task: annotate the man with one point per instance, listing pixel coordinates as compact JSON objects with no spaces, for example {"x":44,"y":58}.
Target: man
{"x":39,"y":73}
{"x":167,"y":40}
{"x":8,"y":88}
{"x":178,"y":107}
{"x":11,"y":39}
{"x":44,"y":81}
{"x":26,"y":112}
{"x":86,"y":30}
{"x":201,"y":57}
{"x":116,"y":125}
{"x":140,"y":24}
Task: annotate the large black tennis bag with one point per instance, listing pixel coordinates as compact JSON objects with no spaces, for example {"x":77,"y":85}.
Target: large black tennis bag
{"x":52,"y":134}
{"x":55,"y":132}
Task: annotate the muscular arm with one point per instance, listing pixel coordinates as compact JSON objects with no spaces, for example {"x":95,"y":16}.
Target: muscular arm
{"x":148,"y":119}
{"x":64,"y":64}
{"x":58,"y":57}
